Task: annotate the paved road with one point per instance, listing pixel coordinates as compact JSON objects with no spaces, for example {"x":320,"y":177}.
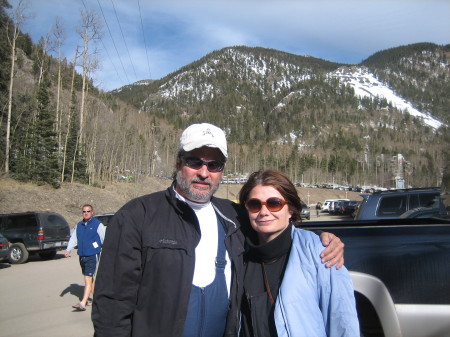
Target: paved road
{"x":36,"y":299}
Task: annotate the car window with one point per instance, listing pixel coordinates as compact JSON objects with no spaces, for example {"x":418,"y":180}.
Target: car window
{"x":55,"y":220}
{"x":104,"y":219}
{"x":428,"y":200}
{"x":414,"y":201}
{"x":392,"y":205}
{"x":21,"y":221}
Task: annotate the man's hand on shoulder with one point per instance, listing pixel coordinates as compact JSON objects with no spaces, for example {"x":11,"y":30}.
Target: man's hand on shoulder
{"x":333,"y":255}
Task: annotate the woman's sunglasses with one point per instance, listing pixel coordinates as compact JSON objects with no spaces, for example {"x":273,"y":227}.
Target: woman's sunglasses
{"x":272,"y":204}
{"x":197,"y":163}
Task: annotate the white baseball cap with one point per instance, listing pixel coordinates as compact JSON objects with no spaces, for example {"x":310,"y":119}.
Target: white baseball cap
{"x":198,"y":135}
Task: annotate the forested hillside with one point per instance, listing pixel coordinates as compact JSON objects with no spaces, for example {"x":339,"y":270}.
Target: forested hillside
{"x":279,"y":110}
{"x":294,"y":113}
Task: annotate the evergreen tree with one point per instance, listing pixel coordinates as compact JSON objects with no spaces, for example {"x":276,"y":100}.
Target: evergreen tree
{"x":5,"y":49}
{"x":45,"y":150}
{"x":75,"y":163}
{"x":21,"y":139}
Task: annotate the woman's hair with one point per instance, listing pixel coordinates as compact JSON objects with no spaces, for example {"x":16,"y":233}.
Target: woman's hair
{"x":278,"y":181}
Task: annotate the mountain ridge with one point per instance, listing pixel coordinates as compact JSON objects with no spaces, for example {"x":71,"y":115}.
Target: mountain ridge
{"x":168,"y":84}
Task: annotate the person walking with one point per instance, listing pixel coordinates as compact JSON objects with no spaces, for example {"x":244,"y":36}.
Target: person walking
{"x":88,"y":235}
{"x":318,"y":208}
{"x":172,"y":261}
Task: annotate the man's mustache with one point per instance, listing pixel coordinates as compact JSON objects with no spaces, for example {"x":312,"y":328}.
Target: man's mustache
{"x":203,"y":181}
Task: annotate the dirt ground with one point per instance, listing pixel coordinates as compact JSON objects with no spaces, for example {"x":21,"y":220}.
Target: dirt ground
{"x":21,"y":197}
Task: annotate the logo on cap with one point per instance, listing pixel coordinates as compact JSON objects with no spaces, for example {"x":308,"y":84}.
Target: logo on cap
{"x":208,"y":132}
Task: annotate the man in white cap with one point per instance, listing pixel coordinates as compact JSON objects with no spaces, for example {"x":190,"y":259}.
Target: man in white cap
{"x":172,"y":260}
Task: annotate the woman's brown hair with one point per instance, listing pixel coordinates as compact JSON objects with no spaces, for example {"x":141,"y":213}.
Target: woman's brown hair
{"x":280,"y":182}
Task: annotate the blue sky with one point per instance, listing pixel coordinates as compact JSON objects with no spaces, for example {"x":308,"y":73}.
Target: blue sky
{"x":176,"y":32}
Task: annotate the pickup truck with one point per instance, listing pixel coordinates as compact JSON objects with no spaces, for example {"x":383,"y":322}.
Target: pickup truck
{"x":401,"y":274}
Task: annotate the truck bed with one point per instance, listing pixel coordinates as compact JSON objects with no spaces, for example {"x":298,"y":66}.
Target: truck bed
{"x":408,"y":257}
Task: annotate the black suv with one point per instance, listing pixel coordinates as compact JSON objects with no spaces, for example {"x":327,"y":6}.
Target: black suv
{"x":392,"y":204}
{"x":4,"y":247}
{"x":104,"y":218}
{"x":42,"y":233}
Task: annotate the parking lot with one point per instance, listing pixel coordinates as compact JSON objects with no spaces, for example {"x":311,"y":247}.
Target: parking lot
{"x":324,"y":216}
{"x":37,"y":297}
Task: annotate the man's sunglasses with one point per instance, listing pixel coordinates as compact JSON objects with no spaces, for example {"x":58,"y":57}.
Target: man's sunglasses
{"x":272,"y":204}
{"x":86,"y":211}
{"x":197,"y":163}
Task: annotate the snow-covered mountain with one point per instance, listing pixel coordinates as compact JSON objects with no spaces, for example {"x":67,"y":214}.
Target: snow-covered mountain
{"x":302,"y":113}
{"x":258,"y":79}
{"x":276,"y":74}
{"x":366,"y":84}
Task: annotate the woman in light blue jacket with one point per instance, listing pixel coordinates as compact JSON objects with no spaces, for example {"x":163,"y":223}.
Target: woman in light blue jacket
{"x":288,"y":290}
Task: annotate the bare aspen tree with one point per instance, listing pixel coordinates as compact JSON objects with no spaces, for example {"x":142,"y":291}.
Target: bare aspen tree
{"x":91,"y":141}
{"x":41,"y":55}
{"x":90,"y":33}
{"x":58,"y":33}
{"x":63,"y":165}
{"x":152,"y":148}
{"x":112,"y":164}
{"x":91,"y":153}
{"x":17,"y":18}
{"x":74,"y":157}
{"x":72,"y":89}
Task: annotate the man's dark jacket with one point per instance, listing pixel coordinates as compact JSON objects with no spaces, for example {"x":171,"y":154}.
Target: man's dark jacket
{"x":147,"y":266}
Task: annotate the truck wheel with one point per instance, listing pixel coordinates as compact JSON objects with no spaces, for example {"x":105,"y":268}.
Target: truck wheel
{"x":48,"y":255}
{"x":17,"y":253}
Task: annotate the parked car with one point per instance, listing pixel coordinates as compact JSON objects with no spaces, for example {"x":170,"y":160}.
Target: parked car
{"x":421,"y":212}
{"x":42,"y":233}
{"x":393,"y":203}
{"x":104,"y":218}
{"x":347,"y":207}
{"x":335,"y":206}
{"x":4,"y":247}
{"x":326,"y":205}
{"x":305,"y":213}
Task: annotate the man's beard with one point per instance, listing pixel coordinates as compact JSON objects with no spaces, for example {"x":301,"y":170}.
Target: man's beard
{"x":193,"y":194}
